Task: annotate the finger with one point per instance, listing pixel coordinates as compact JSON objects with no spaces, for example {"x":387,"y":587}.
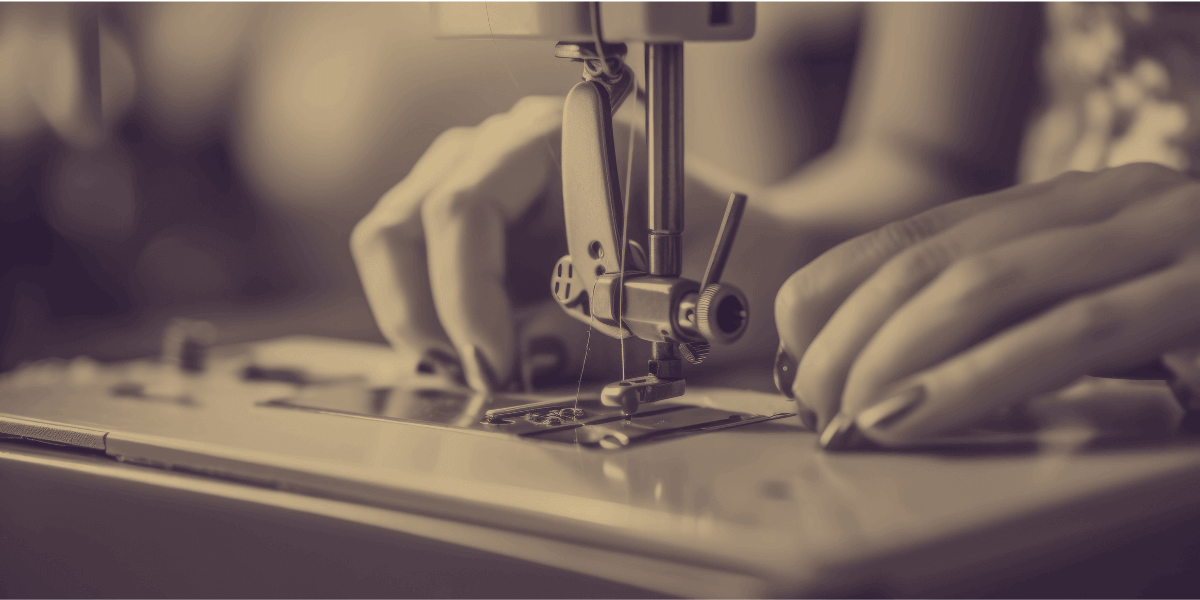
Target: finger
{"x":822,"y":371}
{"x":464,"y":219}
{"x":1115,"y":328}
{"x":1068,"y":200}
{"x":555,"y":349}
{"x":977,"y":295}
{"x":388,"y":246}
{"x":808,"y":298}
{"x":1109,"y":408}
{"x":550,"y":344}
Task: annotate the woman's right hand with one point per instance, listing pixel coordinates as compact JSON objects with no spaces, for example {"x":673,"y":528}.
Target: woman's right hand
{"x":433,"y":258}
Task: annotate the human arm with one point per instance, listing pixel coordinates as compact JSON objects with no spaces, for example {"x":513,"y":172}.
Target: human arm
{"x":936,"y":115}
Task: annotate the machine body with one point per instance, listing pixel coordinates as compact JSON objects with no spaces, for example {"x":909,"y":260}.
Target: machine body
{"x":620,"y":286}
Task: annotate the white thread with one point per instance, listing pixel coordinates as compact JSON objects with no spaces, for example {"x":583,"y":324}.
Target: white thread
{"x":558,"y":168}
{"x":595,"y":10}
{"x":586,"y":347}
{"x":520,"y":92}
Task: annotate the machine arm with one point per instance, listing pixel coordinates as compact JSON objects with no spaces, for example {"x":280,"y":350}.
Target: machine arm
{"x":650,"y":301}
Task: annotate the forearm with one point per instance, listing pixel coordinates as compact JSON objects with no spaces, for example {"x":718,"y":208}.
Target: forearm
{"x":855,"y":188}
{"x":849,"y":190}
{"x":935,"y":115}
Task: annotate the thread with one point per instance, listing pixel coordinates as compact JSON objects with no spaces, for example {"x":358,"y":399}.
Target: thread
{"x":520,"y":93}
{"x":587,"y":347}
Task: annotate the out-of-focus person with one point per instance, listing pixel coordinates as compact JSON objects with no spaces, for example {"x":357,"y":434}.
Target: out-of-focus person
{"x":241,"y":142}
{"x":920,"y":129}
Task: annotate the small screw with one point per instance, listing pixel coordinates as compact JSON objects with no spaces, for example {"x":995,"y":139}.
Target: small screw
{"x":695,"y":352}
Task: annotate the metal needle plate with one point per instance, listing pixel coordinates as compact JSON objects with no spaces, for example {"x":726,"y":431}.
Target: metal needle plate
{"x":548,"y":418}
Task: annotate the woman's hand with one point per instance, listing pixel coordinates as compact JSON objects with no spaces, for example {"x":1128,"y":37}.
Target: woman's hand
{"x":433,"y":255}
{"x":931,"y":323}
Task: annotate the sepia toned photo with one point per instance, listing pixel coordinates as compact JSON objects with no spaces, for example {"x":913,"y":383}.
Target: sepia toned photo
{"x":599,"y":299}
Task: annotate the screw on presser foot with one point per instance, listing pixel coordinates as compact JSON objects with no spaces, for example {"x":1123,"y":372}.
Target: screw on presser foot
{"x":695,"y":352}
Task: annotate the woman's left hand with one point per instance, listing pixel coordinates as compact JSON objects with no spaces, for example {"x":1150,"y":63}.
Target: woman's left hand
{"x":929,"y":324}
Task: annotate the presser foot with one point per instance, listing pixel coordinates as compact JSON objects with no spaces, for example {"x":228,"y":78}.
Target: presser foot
{"x":631,"y":393}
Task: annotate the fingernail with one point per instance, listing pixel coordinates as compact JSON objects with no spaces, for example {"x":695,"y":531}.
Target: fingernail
{"x":481,"y":376}
{"x":437,"y":362}
{"x":890,"y":411}
{"x":840,"y":434}
{"x":785,"y":372}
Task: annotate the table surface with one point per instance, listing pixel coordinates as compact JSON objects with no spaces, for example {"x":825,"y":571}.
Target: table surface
{"x":752,"y":511}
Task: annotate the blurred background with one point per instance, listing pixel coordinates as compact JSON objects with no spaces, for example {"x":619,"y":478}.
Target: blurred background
{"x":238,"y":144}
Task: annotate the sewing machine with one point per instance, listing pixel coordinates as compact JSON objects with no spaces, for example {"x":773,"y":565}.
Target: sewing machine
{"x":594,"y":282}
{"x":300,"y":466}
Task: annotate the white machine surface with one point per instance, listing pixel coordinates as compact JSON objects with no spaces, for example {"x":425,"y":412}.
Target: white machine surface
{"x":756,"y":510}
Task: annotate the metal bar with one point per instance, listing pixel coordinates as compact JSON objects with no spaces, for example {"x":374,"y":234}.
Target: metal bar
{"x":720,"y":253}
{"x":497,"y":413}
{"x":664,"y":132}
